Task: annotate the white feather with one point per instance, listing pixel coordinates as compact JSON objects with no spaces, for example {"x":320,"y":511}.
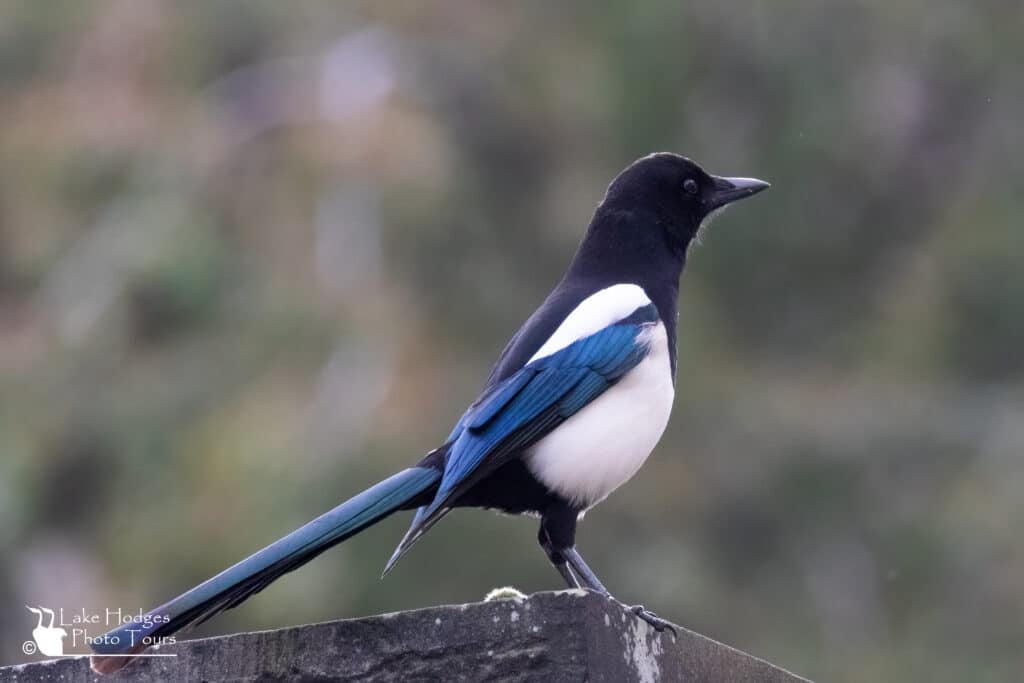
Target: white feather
{"x":596,"y":312}
{"x":599,"y":448}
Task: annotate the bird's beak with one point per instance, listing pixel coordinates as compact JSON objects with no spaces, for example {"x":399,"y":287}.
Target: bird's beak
{"x":728,"y":190}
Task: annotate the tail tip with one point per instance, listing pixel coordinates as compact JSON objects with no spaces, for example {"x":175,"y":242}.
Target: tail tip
{"x":395,"y":556}
{"x":104,"y":666}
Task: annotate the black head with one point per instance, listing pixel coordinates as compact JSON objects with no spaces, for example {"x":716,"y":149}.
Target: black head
{"x":675,"y":194}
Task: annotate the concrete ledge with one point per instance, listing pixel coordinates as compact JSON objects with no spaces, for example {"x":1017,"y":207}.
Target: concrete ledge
{"x":562,"y":636}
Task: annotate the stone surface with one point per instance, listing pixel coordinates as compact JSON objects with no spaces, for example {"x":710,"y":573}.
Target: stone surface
{"x":563,"y":636}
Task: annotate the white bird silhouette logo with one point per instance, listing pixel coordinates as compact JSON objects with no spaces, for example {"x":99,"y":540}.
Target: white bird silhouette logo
{"x":49,"y":639}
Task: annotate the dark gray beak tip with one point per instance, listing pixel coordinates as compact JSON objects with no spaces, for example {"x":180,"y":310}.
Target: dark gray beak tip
{"x":728,"y":190}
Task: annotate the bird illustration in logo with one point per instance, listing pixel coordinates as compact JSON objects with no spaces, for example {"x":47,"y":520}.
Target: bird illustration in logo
{"x":50,"y":639}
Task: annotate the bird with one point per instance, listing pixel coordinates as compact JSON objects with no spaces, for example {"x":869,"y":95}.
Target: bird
{"x":574,"y":405}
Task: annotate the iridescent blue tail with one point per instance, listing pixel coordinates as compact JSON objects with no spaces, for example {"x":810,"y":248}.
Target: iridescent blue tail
{"x":406,"y":490}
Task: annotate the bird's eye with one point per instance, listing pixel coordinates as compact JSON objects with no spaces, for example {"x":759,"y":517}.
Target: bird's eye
{"x":690,"y":185}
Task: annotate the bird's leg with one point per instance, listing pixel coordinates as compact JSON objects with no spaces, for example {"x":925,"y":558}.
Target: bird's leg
{"x":557,"y":559}
{"x":558,"y":538}
{"x":591,"y":581}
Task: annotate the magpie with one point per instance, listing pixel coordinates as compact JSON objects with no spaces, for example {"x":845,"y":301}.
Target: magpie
{"x":578,"y":399}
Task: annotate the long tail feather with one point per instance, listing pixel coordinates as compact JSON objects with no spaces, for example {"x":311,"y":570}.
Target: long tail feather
{"x":410,"y":538}
{"x":256,"y":572}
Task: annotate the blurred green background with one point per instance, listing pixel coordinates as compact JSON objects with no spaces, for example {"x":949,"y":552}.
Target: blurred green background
{"x":255,"y":256}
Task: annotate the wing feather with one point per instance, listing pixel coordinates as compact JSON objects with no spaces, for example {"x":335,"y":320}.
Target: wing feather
{"x":518,"y":412}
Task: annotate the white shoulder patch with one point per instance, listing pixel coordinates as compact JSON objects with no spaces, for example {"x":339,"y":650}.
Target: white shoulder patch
{"x":597,"y":311}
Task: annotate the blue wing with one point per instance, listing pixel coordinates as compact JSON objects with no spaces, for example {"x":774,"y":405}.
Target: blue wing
{"x":514,"y":414}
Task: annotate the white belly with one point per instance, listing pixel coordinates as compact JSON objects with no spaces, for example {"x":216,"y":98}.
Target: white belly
{"x":599,"y":448}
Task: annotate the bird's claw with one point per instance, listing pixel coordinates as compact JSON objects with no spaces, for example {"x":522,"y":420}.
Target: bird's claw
{"x":657,"y":623}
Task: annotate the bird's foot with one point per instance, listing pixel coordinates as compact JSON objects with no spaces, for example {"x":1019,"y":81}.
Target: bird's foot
{"x":656,"y":622}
